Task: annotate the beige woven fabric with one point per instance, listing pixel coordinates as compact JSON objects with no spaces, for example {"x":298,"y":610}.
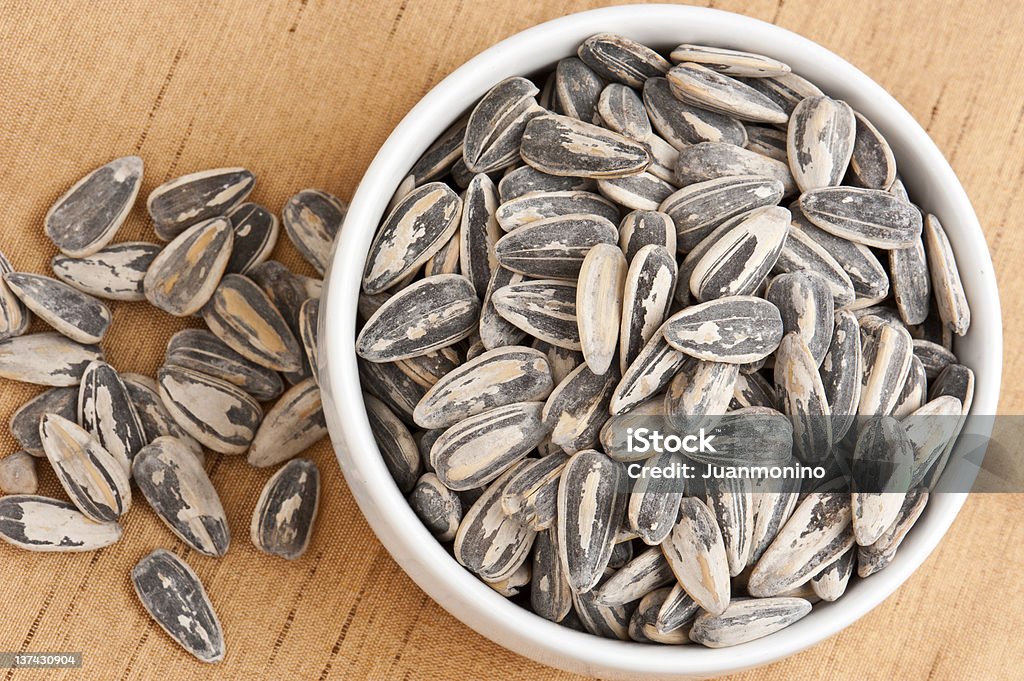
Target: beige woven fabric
{"x":303,"y":92}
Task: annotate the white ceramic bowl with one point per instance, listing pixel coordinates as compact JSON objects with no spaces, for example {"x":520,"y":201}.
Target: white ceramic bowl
{"x":930,"y":181}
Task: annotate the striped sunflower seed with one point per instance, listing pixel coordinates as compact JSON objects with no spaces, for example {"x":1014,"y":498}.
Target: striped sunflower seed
{"x":599,"y":304}
{"x":87,"y":216}
{"x":437,"y":506}
{"x":664,"y":158}
{"x":559,"y":145}
{"x":930,"y":429}
{"x":155,"y":419}
{"x":646,"y":298}
{"x":441,"y":155}
{"x":871,"y":559}
{"x":419,"y":226}
{"x":642,"y":191}
{"x":615,"y":432}
{"x":511,"y":586}
{"x":550,"y":594}
{"x":786,"y":90}
{"x":700,"y":207}
{"x":24,"y":423}
{"x":735,"y":329}
{"x":282,"y":522}
{"x":866,"y":273}
{"x":578,"y":407}
{"x":115,"y":272}
{"x":577,"y":89}
{"x":36,"y":523}
{"x":644,"y":573}
{"x":710,"y":160}
{"x":911,"y":284}
{"x":818,"y":532}
{"x":200,"y":350}
{"x":841,"y":371}
{"x":18,"y":474}
{"x":621,"y":109}
{"x":681,"y":123}
{"x":820,"y":142}
{"x":286,"y":290}
{"x":496,"y":124}
{"x":735,"y":430}
{"x":489,"y":543}
{"x":641,"y":228}
{"x":882,"y":465}
{"x":309,"y":320}
{"x":430,"y":314}
{"x":946,"y":284}
{"x":731,"y":502}
{"x":803,"y":399}
{"x":620,"y":59}
{"x":601,"y":620}
{"x":771,"y":511}
{"x":654,"y":502}
{"x":651,"y":371}
{"x":255,"y":234}
{"x":533,"y":488}
{"x":96,"y":482}
{"x":696,"y":554}
{"x":185,"y":274}
{"x":241,"y":315}
{"x":14,"y":318}
{"x":479,"y":232}
{"x":801,"y":253}
{"x":887,"y":351}
{"x":872,"y":165}
{"x":46,"y":359}
{"x":711,"y":90}
{"x":871,"y":217}
{"x":291,"y":426}
{"x":700,"y":389}
{"x":747,"y":619}
{"x":172,"y":594}
{"x":107,"y":411}
{"x":590,"y":504}
{"x":554,"y":248}
{"x":730,"y":62}
{"x":958,"y":381}
{"x":216,"y":413}
{"x":77,"y":315}
{"x":643,"y":624}
{"x":807,"y":307}
{"x":178,"y":490}
{"x":541,"y":205}
{"x":185,"y":201}
{"x":526,"y":180}
{"x":676,"y":612}
{"x":830,"y":584}
{"x":544,"y":308}
{"x":396,"y":444}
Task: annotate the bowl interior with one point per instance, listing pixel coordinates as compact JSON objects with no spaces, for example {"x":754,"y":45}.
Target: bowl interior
{"x":931,"y":183}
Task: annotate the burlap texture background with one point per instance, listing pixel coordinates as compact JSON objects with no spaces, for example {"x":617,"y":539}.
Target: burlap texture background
{"x":303,"y":93}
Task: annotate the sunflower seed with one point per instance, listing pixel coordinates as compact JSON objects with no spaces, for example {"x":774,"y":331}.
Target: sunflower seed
{"x":643,"y":624}
{"x":559,"y":145}
{"x":841,"y":371}
{"x":489,"y":543}
{"x":752,"y":390}
{"x":526,"y":180}
{"x":77,"y":315}
{"x":806,"y":305}
{"x":681,"y":124}
{"x":946,"y":285}
{"x":182,"y":202}
{"x":216,"y":413}
{"x":642,"y":191}
{"x":767,"y":141}
{"x":699,"y":390}
{"x":282,"y":522}
{"x":676,"y":612}
{"x":696,"y":553}
{"x":618,"y":58}
{"x":441,"y":155}
{"x":735,"y":329}
{"x":395,"y":442}
{"x":644,"y":573}
{"x":818,"y":532}
{"x":430,"y":314}
{"x":478,"y":233}
{"x":735,"y":430}
{"x":156,"y":421}
{"x":177,"y":488}
{"x":286,"y":290}
{"x":577,"y":89}
{"x":545,"y":308}
{"x":578,"y":407}
{"x":830,"y":584}
{"x":747,"y":619}
{"x":915,"y":390}
{"x":172,"y":594}
{"x":496,"y":125}
{"x":871,"y":217}
{"x":429,"y":368}
{"x":882,"y":466}
{"x":18,"y":474}
{"x":802,"y":253}
{"x":511,"y":586}
{"x":647,"y":296}
{"x":601,"y":620}
{"x":865,"y":271}
{"x":495,"y":331}
{"x":803,"y":399}
{"x":419,"y":226}
{"x":200,"y":350}
{"x":115,"y":272}
{"x":292,"y":425}
{"x":708,"y":89}
{"x":730,"y":62}
{"x":873,"y":164}
{"x":185,"y":274}
{"x":651,"y":371}
{"x":537,"y":206}
{"x":740,"y":259}
{"x":24,"y":423}
{"x":820,"y":142}
{"x":599,"y":304}
{"x":309,"y":319}
{"x":730,"y":501}
{"x":36,"y":523}
{"x":933,"y":356}
{"x":700,"y":207}
{"x":911,"y":286}
{"x":887,"y":354}
{"x":930,"y":428}
{"x":536,"y":477}
{"x":654,"y":501}
{"x":620,"y":109}
{"x":786,"y":90}
{"x":958,"y":381}
{"x":711,"y":160}
{"x":96,"y":482}
{"x":107,"y":412}
{"x":771,"y":511}
{"x":437,"y":506}
{"x":554,"y":247}
{"x":641,"y":228}
{"x":589,"y":508}
{"x":871,"y":559}
{"x":550,"y":594}
{"x":255,"y":234}
{"x":46,"y":359}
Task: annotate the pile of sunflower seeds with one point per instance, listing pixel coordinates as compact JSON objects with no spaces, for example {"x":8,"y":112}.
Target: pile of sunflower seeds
{"x":102,"y":430}
{"x":634,"y":236}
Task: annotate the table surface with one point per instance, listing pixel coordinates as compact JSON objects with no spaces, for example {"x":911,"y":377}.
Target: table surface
{"x":303,"y":93}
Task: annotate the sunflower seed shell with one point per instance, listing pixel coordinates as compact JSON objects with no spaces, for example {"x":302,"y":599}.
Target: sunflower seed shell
{"x":185,"y":274}
{"x":46,"y":359}
{"x":36,"y":523}
{"x":114,"y":273}
{"x":76,"y":315}
{"x":255,"y":234}
{"x":282,"y":522}
{"x":216,"y":413}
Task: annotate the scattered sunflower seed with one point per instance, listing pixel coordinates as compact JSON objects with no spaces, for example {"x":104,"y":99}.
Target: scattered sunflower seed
{"x":437,"y":506}
{"x":646,"y":299}
{"x":710,"y":160}
{"x":496,"y":124}
{"x":200,"y":350}
{"x":946,"y":284}
{"x":77,"y":315}
{"x":700,"y":207}
{"x":185,"y":274}
{"x":747,"y":619}
{"x":115,"y":272}
{"x":734,"y":329}
{"x":255,"y":234}
{"x":599,"y":304}
{"x":291,"y":426}
{"x":708,"y":89}
{"x":156,"y":420}
{"x":696,"y":554}
{"x":871,"y":217}
{"x":554,"y":248}
{"x":621,"y":109}
{"x":36,"y":523}
{"x":618,"y":58}
{"x":282,"y":522}
{"x":216,"y":413}
{"x":46,"y":359}
{"x":730,"y":62}
{"x":24,"y":423}
{"x":18,"y":474}
{"x":820,"y":142}
{"x":106,"y":410}
{"x":681,"y":123}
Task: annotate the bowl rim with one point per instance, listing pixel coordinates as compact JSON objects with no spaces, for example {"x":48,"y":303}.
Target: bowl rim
{"x":383,"y":505}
